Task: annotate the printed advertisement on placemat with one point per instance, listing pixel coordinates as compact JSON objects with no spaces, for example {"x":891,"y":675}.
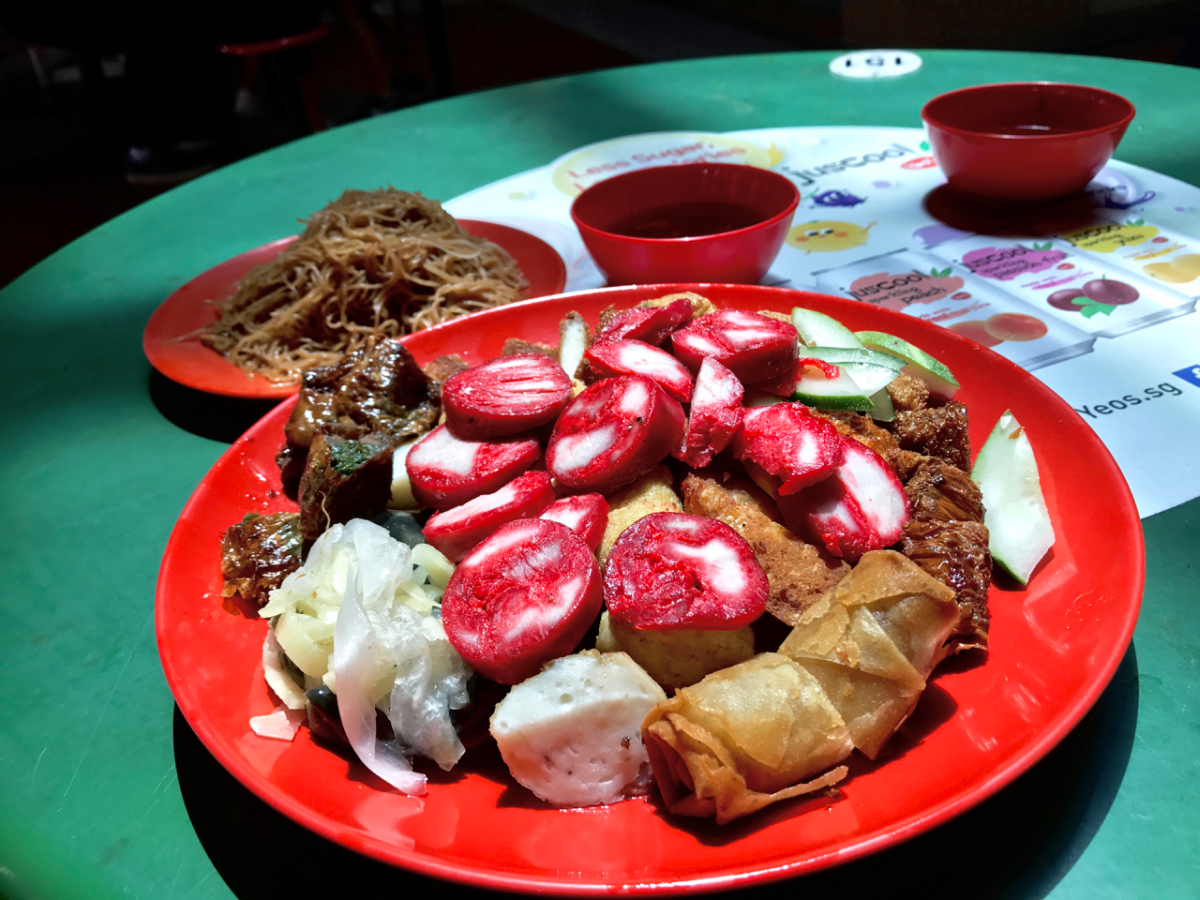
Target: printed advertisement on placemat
{"x":1094,"y":294}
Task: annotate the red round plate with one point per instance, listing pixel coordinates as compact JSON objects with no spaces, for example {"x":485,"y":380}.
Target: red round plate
{"x":169,"y":347}
{"x":1054,"y":647}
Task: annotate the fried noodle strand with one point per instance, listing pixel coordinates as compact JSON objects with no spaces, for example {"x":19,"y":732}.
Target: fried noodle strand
{"x":372,"y":263}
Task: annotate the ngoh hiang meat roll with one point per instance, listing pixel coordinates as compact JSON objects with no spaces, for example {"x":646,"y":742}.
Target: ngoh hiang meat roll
{"x":779,"y":724}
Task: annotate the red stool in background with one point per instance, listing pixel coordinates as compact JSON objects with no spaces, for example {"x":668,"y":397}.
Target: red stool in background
{"x":302,"y":109}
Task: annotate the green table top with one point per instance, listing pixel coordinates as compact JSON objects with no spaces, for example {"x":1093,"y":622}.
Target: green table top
{"x":104,"y":790}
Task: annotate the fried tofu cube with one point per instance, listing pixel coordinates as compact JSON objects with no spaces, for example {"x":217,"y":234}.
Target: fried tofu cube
{"x":653,"y":492}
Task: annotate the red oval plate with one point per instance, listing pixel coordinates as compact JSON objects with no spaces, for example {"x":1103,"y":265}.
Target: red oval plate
{"x":1054,"y":647}
{"x":166,"y":342}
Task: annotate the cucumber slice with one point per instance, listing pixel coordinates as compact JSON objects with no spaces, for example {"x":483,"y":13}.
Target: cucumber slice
{"x":871,"y":370}
{"x":842,"y":392}
{"x":1018,"y":523}
{"x":848,"y":356}
{"x":819,"y":330}
{"x":884,"y":411}
{"x":918,"y":363}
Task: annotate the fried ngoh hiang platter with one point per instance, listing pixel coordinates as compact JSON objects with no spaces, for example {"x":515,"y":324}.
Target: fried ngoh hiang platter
{"x":635,"y":561}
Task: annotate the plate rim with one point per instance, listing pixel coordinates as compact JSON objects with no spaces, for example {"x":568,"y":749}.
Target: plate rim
{"x":1019,"y":763}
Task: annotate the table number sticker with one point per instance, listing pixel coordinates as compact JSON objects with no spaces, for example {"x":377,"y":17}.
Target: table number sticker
{"x":875,"y":64}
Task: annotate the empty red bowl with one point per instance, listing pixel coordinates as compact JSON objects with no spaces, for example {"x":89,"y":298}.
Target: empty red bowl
{"x":1026,"y":141}
{"x":710,"y":222}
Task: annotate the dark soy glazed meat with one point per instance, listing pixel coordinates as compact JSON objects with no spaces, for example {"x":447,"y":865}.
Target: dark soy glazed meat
{"x":936,"y":431}
{"x":257,"y":553}
{"x":947,"y":538}
{"x":344,"y":480}
{"x":956,"y":554}
{"x":378,"y":388}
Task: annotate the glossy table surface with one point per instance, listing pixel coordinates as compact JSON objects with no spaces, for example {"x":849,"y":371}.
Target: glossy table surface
{"x":104,"y":790}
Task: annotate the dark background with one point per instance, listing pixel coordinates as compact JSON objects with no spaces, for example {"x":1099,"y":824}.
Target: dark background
{"x":64,"y":123}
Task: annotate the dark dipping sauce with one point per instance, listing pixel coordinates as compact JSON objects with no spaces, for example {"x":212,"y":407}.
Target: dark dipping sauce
{"x":681,"y":220}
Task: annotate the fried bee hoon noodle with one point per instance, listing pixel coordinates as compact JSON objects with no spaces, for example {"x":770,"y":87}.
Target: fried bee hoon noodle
{"x":372,"y":263}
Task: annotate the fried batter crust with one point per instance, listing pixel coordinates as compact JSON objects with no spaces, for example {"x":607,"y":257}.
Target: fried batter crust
{"x":940,"y":432}
{"x":908,"y":393}
{"x":798,"y":573}
{"x":864,"y":430}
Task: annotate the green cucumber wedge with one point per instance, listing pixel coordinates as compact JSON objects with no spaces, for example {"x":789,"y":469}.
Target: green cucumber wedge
{"x":833,"y":393}
{"x":819,"y":330}
{"x":1019,"y":527}
{"x":871,"y":370}
{"x":845,"y":356}
{"x":918,"y":363}
{"x":884,"y":411}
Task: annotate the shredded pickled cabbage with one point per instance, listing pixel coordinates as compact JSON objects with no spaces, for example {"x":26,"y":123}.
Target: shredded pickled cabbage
{"x":278,"y":678}
{"x":360,"y":616}
{"x":386,"y":648}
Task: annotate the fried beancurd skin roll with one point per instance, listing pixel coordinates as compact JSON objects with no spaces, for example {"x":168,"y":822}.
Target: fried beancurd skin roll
{"x":745,"y":737}
{"x":872,"y":641}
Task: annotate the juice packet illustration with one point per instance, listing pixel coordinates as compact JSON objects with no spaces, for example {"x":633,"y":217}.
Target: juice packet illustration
{"x":1150,"y":251}
{"x":925,"y":287}
{"x":1055,"y":280}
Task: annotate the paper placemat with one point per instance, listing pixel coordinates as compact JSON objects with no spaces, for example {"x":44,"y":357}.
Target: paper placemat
{"x":1095,"y":295}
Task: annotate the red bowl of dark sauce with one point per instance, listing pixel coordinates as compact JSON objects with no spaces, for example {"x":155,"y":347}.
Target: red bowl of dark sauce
{"x":706,"y":222}
{"x":1025,"y":142}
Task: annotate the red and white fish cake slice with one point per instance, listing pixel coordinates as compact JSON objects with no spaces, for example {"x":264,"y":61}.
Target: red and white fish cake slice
{"x":673,"y":570}
{"x":505,"y":396}
{"x":615,"y":431}
{"x":524,"y":596}
{"x":446,"y":471}
{"x":754,"y":347}
{"x":861,"y":506}
{"x":714,"y":416}
{"x":790,"y":443}
{"x":584,"y":514}
{"x":652,"y":324}
{"x":629,"y":357}
{"x":455,"y":532}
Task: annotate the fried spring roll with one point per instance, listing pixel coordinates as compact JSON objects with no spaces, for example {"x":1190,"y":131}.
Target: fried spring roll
{"x":745,"y":737}
{"x":872,"y":642}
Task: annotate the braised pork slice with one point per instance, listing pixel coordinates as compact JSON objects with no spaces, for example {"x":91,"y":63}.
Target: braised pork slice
{"x":378,"y":388}
{"x":940,"y":492}
{"x":936,"y":431}
{"x":956,"y":554}
{"x":257,"y":553}
{"x":343,"y":480}
{"x":798,"y":573}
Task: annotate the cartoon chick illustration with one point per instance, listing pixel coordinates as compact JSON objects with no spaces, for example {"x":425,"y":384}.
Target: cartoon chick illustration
{"x":827,"y":236}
